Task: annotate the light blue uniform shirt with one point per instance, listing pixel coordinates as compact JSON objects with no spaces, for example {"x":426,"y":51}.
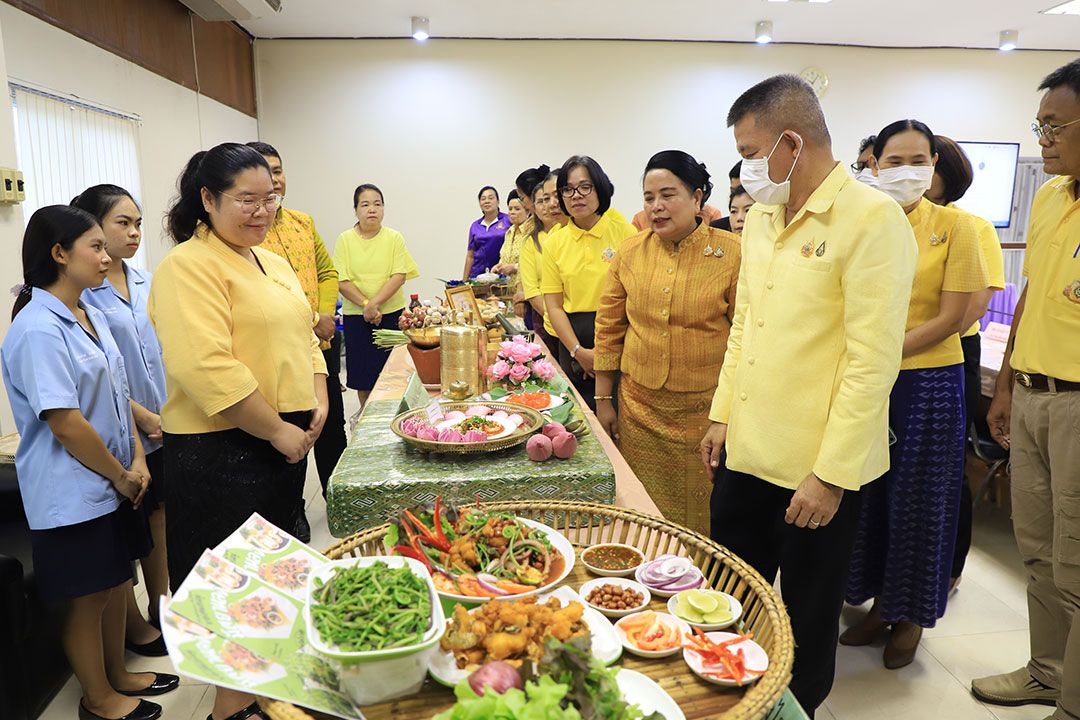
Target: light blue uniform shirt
{"x":49,"y":362}
{"x":138,"y":343}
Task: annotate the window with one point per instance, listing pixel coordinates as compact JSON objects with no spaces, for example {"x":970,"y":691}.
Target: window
{"x":65,"y":145}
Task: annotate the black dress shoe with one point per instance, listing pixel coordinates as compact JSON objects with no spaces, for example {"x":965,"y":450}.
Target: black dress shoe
{"x":154,"y":648}
{"x":163,"y":683}
{"x":251,"y":711}
{"x":145,"y":710}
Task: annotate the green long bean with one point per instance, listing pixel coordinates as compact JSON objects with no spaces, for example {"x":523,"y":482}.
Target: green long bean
{"x":371,"y":608}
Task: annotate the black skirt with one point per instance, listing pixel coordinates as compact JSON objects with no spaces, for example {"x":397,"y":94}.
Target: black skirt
{"x":155,"y":494}
{"x":218,"y":480}
{"x":584,"y":324}
{"x":81,"y":559}
{"x":363,"y":360}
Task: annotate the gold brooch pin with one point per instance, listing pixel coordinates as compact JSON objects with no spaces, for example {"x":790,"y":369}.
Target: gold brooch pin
{"x":820,"y":252}
{"x":936,"y":239}
{"x":808,"y":249}
{"x":708,"y":250}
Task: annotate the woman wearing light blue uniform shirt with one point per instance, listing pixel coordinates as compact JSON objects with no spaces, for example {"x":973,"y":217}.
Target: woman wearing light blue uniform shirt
{"x":122,"y":298}
{"x":82,"y":470}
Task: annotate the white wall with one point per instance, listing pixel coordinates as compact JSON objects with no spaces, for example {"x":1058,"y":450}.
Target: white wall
{"x":176,"y":122}
{"x":430,"y":124}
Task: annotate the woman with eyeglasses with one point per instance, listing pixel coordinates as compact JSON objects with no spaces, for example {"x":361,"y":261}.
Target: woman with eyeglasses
{"x":576,"y":261}
{"x":373,"y":265}
{"x":952,"y":177}
{"x":246,"y":378}
{"x":664,"y":317}
{"x":907,"y":528}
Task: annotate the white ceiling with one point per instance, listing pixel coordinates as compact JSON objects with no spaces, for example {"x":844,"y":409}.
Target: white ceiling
{"x":884,"y":23}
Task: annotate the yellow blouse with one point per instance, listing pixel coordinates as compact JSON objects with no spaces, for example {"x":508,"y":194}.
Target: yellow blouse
{"x":666,"y":309}
{"x":369,"y":262}
{"x":228,"y":329}
{"x":576,"y":260}
{"x":990,"y":245}
{"x":949,"y":261}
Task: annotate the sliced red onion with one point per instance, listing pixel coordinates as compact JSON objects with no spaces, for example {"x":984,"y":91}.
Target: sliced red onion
{"x":488,"y":583}
{"x":675,"y":567}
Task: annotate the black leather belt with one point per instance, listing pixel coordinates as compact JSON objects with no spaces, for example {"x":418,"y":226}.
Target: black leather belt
{"x":1034,"y":381}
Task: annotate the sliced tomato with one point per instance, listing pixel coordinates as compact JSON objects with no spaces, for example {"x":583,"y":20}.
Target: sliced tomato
{"x":658,"y":636}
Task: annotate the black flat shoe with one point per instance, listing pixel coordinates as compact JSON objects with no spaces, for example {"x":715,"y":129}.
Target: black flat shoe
{"x":154,"y":648}
{"x":251,"y":711}
{"x":145,"y":710}
{"x":163,"y":683}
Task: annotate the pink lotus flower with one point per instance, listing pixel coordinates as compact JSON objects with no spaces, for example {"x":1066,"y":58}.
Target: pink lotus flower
{"x":543,"y":370}
{"x":518,"y":338}
{"x":499,"y":370}
{"x":521,"y":352}
{"x":519,"y":372}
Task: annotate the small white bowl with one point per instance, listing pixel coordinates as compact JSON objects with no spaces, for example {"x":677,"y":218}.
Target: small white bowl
{"x":681,"y":625}
{"x":591,"y":585}
{"x":736,"y":612}
{"x":756,"y":658}
{"x":627,"y":572}
{"x":660,"y":592}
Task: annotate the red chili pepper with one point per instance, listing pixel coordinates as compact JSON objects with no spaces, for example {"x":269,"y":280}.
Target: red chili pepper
{"x":425,"y":534}
{"x":440,"y":534}
{"x":414,"y":554}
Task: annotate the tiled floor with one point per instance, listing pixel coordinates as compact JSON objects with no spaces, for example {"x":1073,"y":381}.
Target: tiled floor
{"x":984,"y":632}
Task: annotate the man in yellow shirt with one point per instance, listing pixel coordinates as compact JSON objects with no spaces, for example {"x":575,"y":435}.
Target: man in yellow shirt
{"x":801,"y":405}
{"x":293,"y":236}
{"x":1035,"y":415}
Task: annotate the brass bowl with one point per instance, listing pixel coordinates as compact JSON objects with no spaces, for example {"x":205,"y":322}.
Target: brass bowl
{"x":533,"y":422}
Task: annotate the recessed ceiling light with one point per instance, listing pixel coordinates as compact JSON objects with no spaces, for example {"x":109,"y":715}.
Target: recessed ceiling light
{"x":1072,"y":7}
{"x":763,"y":32}
{"x":812,"y":1}
{"x":420,"y":28}
{"x":1007,"y":40}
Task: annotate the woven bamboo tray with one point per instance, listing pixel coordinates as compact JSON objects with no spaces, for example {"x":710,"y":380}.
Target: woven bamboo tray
{"x":533,"y":422}
{"x":585,"y":524}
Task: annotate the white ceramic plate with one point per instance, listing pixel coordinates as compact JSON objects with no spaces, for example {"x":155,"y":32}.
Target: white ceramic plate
{"x":736,"y":613}
{"x":554,"y":401}
{"x":589,"y":586}
{"x":756,"y":659}
{"x":606,"y":646}
{"x":671,"y":620}
{"x":640,"y":690}
{"x":660,"y":592}
{"x":612,"y":573}
{"x":557,"y":540}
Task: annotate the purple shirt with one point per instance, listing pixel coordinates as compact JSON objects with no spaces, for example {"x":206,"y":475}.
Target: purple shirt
{"x":486,"y":242}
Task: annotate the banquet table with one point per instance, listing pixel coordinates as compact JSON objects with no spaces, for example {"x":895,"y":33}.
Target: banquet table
{"x":379,"y":474}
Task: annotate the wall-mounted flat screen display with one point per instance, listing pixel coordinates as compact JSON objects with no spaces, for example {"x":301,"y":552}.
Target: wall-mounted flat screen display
{"x":991,"y":193}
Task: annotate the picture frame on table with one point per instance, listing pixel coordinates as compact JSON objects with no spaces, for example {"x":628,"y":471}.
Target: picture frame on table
{"x":462,"y":298}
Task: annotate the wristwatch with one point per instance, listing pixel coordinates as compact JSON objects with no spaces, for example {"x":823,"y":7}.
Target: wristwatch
{"x":573,"y":353}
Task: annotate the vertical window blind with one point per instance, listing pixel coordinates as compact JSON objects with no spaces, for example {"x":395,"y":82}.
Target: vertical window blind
{"x":64,"y":146}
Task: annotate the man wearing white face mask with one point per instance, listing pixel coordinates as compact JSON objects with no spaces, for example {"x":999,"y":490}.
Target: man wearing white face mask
{"x":814,"y":350}
{"x":907,"y":529}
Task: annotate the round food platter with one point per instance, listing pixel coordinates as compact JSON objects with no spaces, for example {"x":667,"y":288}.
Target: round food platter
{"x":508,"y":434}
{"x":755,"y":657}
{"x":734,"y":610}
{"x":606,"y":646}
{"x":680,"y":628}
{"x":554,"y":400}
{"x":558,"y":542}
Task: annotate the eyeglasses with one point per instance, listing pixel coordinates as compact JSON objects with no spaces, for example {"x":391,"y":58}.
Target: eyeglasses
{"x":857,"y":167}
{"x":1048,"y":131}
{"x":583,"y":189}
{"x":250,"y":205}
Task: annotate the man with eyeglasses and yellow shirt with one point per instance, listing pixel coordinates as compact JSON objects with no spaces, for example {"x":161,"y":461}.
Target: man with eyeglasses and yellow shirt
{"x":802,"y":401}
{"x":1036,"y":415}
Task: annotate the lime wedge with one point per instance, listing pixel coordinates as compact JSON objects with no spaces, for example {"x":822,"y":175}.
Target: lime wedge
{"x":702,"y":602}
{"x":717,"y":616}
{"x":684,"y":610}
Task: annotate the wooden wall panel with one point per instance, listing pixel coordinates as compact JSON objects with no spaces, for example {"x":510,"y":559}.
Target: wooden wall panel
{"x":226,"y":64}
{"x":164,"y":37}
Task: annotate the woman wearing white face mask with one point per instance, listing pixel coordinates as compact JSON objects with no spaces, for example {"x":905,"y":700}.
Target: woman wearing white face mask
{"x":907,"y":530}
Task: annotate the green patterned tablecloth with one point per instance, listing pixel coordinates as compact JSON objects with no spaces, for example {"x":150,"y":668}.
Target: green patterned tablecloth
{"x":379,"y":474}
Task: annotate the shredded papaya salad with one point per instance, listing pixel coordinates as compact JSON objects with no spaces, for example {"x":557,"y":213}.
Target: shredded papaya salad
{"x":474,"y":552}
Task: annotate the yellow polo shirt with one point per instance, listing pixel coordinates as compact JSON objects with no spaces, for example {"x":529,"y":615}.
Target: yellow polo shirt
{"x":816,"y":337}
{"x":1046,"y":340}
{"x":369,"y":262}
{"x":950,"y":260}
{"x":990,"y":244}
{"x":531,"y":270}
{"x":576,"y":261}
{"x":227,"y":329}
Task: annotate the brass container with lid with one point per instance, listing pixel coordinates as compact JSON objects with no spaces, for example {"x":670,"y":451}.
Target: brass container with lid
{"x":464,"y":359}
